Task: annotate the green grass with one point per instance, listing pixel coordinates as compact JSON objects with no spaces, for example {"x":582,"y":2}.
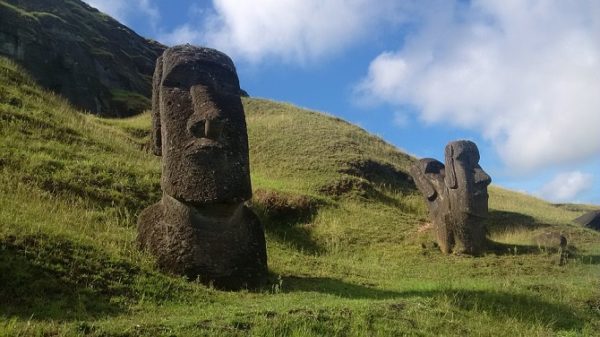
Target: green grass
{"x":128,"y":101}
{"x":18,"y":10}
{"x":343,"y":222}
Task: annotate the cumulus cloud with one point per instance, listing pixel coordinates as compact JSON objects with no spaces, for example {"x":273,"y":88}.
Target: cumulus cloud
{"x":286,"y":30}
{"x":524,"y":73}
{"x":183,"y":34}
{"x":122,"y":10}
{"x":566,"y":186}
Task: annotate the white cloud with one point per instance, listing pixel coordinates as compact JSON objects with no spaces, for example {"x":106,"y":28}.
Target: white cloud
{"x":401,"y":119}
{"x":286,"y":30}
{"x":182,"y":34}
{"x":123,"y":10}
{"x":566,"y":186}
{"x":524,"y":73}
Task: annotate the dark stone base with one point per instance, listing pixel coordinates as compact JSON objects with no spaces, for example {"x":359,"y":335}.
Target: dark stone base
{"x":223,"y":246}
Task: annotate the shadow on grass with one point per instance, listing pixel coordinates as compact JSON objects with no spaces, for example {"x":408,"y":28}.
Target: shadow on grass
{"x":52,"y":277}
{"x":588,"y":259}
{"x":505,"y":305}
{"x":499,"y":248}
{"x":503,"y":221}
{"x":526,"y":308}
{"x":331,"y":286}
{"x":46,"y":279}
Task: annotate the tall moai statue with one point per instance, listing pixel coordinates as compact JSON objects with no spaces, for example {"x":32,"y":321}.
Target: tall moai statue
{"x":201,"y":227}
{"x":456,"y":196}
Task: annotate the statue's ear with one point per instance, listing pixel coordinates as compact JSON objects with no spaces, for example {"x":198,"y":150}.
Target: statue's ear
{"x":450,"y":178}
{"x":423,"y":184}
{"x":156,"y":133}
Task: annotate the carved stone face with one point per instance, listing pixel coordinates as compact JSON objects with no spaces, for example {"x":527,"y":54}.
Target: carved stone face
{"x":466,"y":181}
{"x":199,"y":127}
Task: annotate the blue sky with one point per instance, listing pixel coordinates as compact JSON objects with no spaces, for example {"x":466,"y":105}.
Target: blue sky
{"x":521,"y":78}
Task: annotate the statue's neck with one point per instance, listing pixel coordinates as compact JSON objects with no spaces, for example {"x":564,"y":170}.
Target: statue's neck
{"x":183,"y":212}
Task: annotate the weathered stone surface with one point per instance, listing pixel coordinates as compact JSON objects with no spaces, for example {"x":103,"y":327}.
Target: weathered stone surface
{"x":428,"y":175}
{"x":457,"y":197}
{"x":204,"y":141}
{"x":201,"y":227}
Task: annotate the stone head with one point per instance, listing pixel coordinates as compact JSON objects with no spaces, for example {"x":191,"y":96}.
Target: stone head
{"x":199,"y":127}
{"x":428,"y":174}
{"x":466,"y":181}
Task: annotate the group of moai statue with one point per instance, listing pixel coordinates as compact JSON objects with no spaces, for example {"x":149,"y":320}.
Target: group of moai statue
{"x":202,"y":229}
{"x":456,"y":196}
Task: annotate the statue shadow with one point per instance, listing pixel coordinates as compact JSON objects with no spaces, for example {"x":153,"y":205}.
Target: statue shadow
{"x":503,"y":305}
{"x":332,"y":286}
{"x":588,"y":259}
{"x":499,"y":248}
{"x":523,"y":307}
{"x":45,"y":278}
{"x":505,"y":221}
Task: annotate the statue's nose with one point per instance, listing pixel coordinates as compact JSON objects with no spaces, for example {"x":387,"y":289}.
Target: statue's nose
{"x":206,"y":128}
{"x":213,"y":128}
{"x":206,"y":120}
{"x":481,"y":177}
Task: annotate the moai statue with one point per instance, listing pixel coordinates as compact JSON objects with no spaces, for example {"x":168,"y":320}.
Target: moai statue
{"x":467,"y":186}
{"x":201,"y":227}
{"x":457,"y":197}
{"x":428,"y":175}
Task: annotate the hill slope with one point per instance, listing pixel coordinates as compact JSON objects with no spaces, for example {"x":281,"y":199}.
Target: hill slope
{"x":346,"y":245}
{"x":73,"y":49}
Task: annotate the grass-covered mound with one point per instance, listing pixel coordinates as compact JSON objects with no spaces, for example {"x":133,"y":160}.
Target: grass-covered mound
{"x":347,"y":245}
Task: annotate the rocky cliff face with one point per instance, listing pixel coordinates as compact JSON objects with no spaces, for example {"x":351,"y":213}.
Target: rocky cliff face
{"x":74,"y":50}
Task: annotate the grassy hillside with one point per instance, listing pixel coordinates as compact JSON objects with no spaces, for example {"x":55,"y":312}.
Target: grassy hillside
{"x":348,"y":251}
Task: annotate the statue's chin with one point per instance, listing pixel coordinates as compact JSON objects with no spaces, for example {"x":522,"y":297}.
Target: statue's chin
{"x":211,"y":210}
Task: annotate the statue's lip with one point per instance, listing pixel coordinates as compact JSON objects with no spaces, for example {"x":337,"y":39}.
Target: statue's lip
{"x":202,"y":144}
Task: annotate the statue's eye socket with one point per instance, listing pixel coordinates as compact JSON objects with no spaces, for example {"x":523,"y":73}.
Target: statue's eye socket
{"x":197,"y":129}
{"x":468,"y":157}
{"x":171,"y":81}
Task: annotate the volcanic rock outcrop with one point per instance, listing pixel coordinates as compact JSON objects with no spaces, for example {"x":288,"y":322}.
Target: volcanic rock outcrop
{"x":590,"y":220}
{"x":74,"y":50}
{"x":456,"y":196}
{"x":201,"y":228}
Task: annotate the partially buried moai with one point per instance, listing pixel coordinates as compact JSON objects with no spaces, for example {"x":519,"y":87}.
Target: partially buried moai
{"x":457,"y":197}
{"x":201,"y":227}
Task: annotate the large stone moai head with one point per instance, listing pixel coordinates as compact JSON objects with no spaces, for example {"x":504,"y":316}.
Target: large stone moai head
{"x":467,"y":182}
{"x":456,"y":196}
{"x":199,"y":127}
{"x":467,"y":186}
{"x":201,"y":227}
